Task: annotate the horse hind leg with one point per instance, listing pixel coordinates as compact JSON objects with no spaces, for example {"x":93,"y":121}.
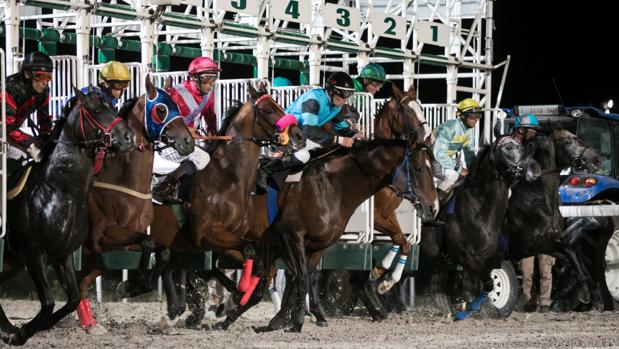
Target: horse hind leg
{"x":583,"y":293}
{"x":66,"y":274}
{"x":315,"y":305}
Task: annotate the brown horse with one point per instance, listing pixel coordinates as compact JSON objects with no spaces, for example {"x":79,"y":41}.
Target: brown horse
{"x":120,"y":203}
{"x":314,"y":212}
{"x":220,"y":208}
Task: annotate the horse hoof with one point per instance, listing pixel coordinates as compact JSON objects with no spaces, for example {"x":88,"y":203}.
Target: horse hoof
{"x":122,"y":290}
{"x":322,"y":323}
{"x":262,"y":329}
{"x":15,"y":339}
{"x":295,"y":329}
{"x":96,"y":330}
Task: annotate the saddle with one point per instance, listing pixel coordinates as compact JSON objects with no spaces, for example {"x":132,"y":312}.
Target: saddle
{"x":17,"y":178}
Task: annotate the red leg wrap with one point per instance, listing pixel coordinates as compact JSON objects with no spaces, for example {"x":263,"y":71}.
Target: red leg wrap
{"x":245,"y":281}
{"x":84,"y":312}
{"x":253,"y":283}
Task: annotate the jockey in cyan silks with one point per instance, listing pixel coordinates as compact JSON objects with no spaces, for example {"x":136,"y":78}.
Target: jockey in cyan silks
{"x":311,"y":111}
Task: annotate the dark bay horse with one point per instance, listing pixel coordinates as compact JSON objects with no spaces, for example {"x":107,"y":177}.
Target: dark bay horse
{"x":315,"y":211}
{"x":49,"y":219}
{"x":120,"y":203}
{"x":471,"y":234}
{"x":533,"y":223}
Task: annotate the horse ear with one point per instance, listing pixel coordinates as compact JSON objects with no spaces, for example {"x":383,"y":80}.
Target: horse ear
{"x":80,"y":95}
{"x":150,"y":88}
{"x":412,"y":92}
{"x":253,"y":94}
{"x":263,"y":86}
{"x":396,"y":92}
{"x":167,"y":85}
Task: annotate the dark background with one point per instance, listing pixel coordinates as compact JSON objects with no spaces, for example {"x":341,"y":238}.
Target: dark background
{"x":570,"y":42}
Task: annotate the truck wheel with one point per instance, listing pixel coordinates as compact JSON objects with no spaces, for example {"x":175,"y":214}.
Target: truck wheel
{"x":608,"y":262}
{"x":450,"y":290}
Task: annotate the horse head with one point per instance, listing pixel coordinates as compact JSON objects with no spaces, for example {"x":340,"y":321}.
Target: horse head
{"x":572,"y":151}
{"x":163,"y":120}
{"x":267,"y":112}
{"x":96,"y":125}
{"x":413,"y":180}
{"x":511,"y":160}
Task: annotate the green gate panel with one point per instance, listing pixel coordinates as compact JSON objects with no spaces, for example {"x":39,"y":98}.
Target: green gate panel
{"x":191,"y":260}
{"x":116,"y":260}
{"x":379,"y":250}
{"x":77,"y":258}
{"x":347,"y":256}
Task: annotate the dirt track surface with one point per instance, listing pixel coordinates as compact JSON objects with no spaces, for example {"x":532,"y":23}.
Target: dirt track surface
{"x":134,"y":325}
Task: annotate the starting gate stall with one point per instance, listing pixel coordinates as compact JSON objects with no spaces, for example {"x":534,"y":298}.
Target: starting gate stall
{"x":447,"y":40}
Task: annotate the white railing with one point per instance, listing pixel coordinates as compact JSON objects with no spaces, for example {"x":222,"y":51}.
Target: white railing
{"x":285,"y":95}
{"x":3,"y":146}
{"x":61,"y":86}
{"x":437,"y":114}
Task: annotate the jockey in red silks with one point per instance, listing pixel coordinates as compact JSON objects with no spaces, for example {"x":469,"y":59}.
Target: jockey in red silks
{"x":28,"y":92}
{"x":196,"y":100}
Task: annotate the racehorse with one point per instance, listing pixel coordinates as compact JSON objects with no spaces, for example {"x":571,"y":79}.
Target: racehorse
{"x":49,"y":219}
{"x":220,"y":208}
{"x":475,"y":215}
{"x":314,"y":212}
{"x":533,"y":223}
{"x":120,"y":203}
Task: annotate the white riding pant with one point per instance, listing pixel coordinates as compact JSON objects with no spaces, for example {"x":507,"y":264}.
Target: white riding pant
{"x":447,"y":180}
{"x":303,"y":154}
{"x":168,"y":160}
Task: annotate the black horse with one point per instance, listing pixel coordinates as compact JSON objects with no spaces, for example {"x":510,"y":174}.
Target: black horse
{"x":475,"y":214}
{"x":533,"y":223}
{"x":49,"y":219}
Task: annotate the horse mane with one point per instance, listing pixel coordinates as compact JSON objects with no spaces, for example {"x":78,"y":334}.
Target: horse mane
{"x":229,"y":116}
{"x":478,"y":161}
{"x":127,"y":107}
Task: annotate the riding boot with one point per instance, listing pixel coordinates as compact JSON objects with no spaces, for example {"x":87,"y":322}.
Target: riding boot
{"x":287,"y":162}
{"x":282,"y":163}
{"x":164,"y":191}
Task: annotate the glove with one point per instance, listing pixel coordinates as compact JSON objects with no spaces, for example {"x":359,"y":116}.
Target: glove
{"x":35,"y":152}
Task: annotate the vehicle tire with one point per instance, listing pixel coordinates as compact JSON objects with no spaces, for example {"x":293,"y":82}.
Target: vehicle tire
{"x":450,"y":290}
{"x":335,"y":292}
{"x":607,"y":257}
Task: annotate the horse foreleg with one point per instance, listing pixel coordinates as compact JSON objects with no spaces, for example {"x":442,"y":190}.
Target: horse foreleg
{"x":195,"y":302}
{"x":8,"y":272}
{"x":234,"y":313}
{"x":170,"y":290}
{"x":67,"y":277}
{"x":315,"y":305}
{"x":282,"y":318}
{"x":295,"y":248}
{"x":37,"y":269}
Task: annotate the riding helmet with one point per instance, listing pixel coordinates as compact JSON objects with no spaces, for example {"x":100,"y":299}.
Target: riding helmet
{"x":114,"y":71}
{"x":468,"y":105}
{"x":341,"y":84}
{"x":203,"y":65}
{"x":527,"y":121}
{"x":37,"y":61}
{"x":374,"y":72}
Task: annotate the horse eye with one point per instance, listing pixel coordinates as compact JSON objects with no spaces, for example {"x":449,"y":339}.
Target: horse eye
{"x":418,"y":168}
{"x":162,"y":111}
{"x":268,"y":110}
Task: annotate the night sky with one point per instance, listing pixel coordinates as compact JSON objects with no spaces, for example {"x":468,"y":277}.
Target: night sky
{"x":570,"y":42}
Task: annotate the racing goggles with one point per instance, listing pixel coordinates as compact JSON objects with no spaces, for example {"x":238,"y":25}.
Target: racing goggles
{"x":376,"y":84}
{"x":206,"y":78}
{"x":346,"y":94}
{"x":118,"y":85}
{"x":43,"y":76}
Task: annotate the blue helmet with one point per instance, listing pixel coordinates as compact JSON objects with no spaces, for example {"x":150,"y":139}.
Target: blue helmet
{"x":527,"y":121}
{"x":280,"y":81}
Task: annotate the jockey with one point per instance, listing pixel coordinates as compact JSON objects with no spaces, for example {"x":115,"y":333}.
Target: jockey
{"x":525,"y":128}
{"x":113,"y":81}
{"x":28,"y":92}
{"x":311,"y":111}
{"x":454,"y":137}
{"x":371,"y":79}
{"x":195,"y":99}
